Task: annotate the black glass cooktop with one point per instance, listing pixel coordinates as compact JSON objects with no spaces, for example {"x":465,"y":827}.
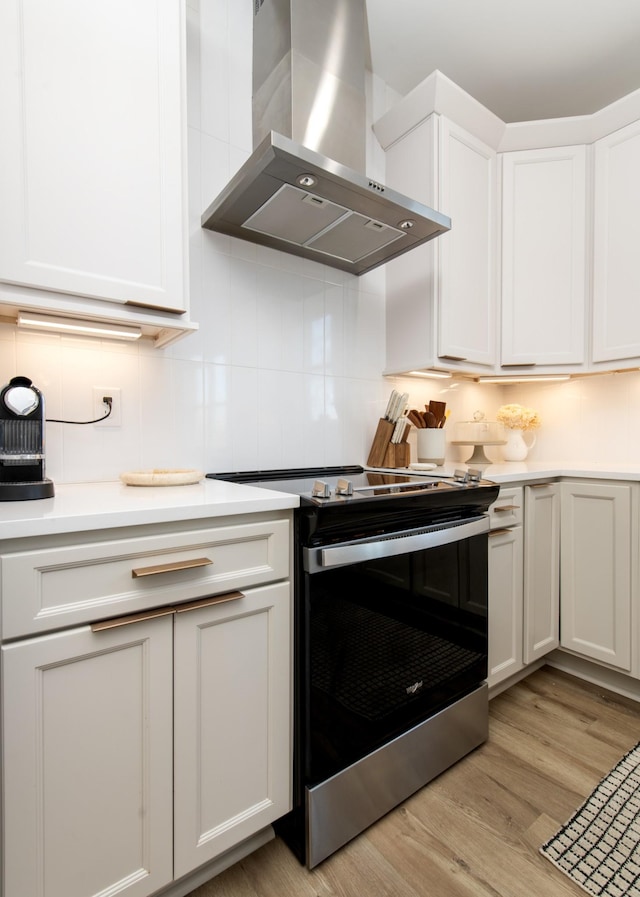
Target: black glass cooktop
{"x":324,"y":486}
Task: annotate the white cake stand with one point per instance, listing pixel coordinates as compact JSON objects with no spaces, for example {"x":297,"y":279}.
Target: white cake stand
{"x":478,"y":456}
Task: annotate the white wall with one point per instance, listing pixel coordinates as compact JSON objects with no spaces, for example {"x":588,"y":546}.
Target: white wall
{"x":285,"y":370}
{"x":592,"y":419}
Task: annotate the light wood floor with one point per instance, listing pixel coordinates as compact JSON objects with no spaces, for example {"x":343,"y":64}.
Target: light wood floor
{"x":475,"y":831}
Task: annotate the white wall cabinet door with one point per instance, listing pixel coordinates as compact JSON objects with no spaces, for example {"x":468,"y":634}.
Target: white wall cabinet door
{"x":441,"y":297}
{"x":616,"y":267}
{"x":87,"y":762}
{"x":467,"y":301}
{"x":505,"y":603}
{"x":595,"y":571}
{"x":544,"y":234}
{"x":232,"y":722}
{"x":541,"y":631}
{"x":92,"y":156}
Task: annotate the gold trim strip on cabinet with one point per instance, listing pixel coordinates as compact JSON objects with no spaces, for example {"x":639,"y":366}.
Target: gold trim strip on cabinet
{"x":499,"y":532}
{"x":539,"y":485}
{"x":208,"y":602}
{"x":506,"y":508}
{"x":166,"y":611}
{"x":132,"y":618}
{"x":170,"y":568}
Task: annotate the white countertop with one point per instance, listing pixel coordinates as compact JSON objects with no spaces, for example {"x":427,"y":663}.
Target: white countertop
{"x":523,"y":471}
{"x":89,"y":506}
{"x":531,"y":471}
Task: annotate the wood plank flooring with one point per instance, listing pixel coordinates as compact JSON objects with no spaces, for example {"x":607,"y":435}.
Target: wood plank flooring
{"x":474,"y":831}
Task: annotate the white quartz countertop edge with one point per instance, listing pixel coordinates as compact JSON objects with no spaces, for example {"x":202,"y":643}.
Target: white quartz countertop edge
{"x":91,"y":506}
{"x":532,"y":471}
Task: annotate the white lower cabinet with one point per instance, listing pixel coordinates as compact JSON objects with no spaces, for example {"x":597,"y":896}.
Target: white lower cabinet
{"x":232,"y":723}
{"x":541,"y":597}
{"x":505,"y":603}
{"x":524,"y":576}
{"x":598,"y":535}
{"x":138,"y":749}
{"x":88,"y":762}
{"x":505,"y":585}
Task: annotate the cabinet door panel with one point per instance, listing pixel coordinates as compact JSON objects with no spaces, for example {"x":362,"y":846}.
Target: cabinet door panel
{"x":541,"y":571}
{"x":616,"y":272}
{"x":92,"y":155}
{"x":467,"y":320}
{"x":232,"y":723}
{"x":544,"y":256}
{"x":87,"y":762}
{"x":505,"y":603}
{"x":596,"y":572}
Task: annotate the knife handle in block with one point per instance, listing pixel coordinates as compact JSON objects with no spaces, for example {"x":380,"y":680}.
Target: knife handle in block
{"x":380,"y":442}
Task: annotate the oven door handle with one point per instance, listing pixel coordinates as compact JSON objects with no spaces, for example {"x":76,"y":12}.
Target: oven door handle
{"x":317,"y":559}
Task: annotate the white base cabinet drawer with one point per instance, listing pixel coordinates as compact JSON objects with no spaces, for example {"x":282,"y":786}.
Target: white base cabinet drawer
{"x":62,"y":586}
{"x":508,"y":508}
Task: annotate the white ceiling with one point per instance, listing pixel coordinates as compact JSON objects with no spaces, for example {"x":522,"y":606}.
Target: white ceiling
{"x":523,"y":59}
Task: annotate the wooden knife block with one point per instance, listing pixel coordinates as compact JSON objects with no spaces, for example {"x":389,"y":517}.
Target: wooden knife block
{"x":383,"y":452}
{"x":397,"y":455}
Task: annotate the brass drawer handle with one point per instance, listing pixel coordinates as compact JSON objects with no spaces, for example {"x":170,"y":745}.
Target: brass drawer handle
{"x":207,"y":602}
{"x":499,"y":532}
{"x":167,"y":611}
{"x":539,"y":485}
{"x":132,"y":618}
{"x":506,"y":508}
{"x":170,"y":568}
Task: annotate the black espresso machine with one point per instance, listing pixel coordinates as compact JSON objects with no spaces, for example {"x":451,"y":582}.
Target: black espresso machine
{"x":22,"y":474}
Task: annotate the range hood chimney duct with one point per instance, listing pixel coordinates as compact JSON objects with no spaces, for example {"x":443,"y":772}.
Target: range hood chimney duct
{"x":301,"y":191}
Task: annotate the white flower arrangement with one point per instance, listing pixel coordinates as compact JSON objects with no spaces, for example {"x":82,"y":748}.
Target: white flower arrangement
{"x":517,"y":417}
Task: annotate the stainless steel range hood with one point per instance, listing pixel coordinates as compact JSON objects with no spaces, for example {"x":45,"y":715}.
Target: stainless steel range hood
{"x":301,"y":190}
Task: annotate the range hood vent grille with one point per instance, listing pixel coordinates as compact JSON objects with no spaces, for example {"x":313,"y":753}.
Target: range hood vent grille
{"x":301,"y":193}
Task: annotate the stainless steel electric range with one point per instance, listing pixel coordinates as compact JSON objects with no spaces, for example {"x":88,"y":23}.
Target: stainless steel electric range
{"x":390,"y":621}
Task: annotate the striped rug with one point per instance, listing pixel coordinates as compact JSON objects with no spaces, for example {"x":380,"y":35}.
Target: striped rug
{"x":599,"y":847}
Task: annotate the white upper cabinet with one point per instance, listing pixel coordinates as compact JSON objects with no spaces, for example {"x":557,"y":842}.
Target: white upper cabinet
{"x":544,"y":240}
{"x":616,"y":267}
{"x":92,"y":156}
{"x":467,"y":301}
{"x":441,"y":298}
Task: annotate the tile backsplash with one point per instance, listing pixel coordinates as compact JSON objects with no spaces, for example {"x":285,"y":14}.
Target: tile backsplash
{"x":285,"y":368}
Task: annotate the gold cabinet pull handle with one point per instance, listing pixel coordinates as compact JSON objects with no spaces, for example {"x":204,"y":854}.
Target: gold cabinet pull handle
{"x":499,"y":532}
{"x":208,"y":602}
{"x":171,"y":567}
{"x":166,"y":611}
{"x":132,"y":618}
{"x":506,"y":508}
{"x":539,"y":485}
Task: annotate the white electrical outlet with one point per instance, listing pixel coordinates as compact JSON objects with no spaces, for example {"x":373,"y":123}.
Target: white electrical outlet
{"x":100,"y":409}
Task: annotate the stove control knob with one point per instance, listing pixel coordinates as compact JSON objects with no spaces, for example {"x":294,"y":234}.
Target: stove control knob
{"x":474,"y":475}
{"x":321,"y":489}
{"x":460,"y":476}
{"x":344,"y":487}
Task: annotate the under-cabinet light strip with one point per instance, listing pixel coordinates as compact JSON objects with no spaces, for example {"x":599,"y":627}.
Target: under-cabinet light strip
{"x":33,"y":321}
{"x":433,"y":375}
{"x":533,"y":379}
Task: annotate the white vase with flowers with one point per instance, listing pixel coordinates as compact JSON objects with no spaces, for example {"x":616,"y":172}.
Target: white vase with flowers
{"x":517,"y":421}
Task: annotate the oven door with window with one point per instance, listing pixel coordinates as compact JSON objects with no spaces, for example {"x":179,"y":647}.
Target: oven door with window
{"x":393,"y":631}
